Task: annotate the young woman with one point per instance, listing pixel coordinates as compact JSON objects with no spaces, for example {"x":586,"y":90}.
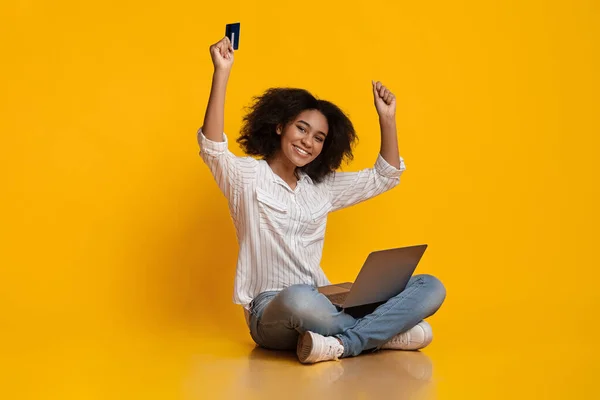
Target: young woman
{"x":279,"y":205}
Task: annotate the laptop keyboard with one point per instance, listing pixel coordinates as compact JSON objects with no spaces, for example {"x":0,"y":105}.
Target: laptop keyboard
{"x":338,"y":298}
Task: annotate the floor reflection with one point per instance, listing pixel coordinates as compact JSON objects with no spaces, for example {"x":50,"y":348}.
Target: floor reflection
{"x":268,"y":374}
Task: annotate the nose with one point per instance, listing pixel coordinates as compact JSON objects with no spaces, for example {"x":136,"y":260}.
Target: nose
{"x":305,"y":142}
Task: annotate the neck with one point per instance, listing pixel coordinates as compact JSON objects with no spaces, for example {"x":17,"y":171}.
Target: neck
{"x":283,"y":167}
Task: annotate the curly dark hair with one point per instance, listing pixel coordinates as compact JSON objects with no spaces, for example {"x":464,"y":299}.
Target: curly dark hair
{"x":281,"y":106}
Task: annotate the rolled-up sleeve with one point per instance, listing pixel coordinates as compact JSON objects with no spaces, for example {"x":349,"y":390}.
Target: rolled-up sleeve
{"x":211,"y":147}
{"x":349,"y":188}
{"x":224,"y":166}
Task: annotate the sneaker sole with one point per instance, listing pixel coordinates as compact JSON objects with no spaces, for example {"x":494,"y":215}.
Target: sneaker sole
{"x":428,"y":333}
{"x":304,"y":348}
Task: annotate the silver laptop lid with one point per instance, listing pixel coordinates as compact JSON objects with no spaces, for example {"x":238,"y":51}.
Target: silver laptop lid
{"x":384,"y":274}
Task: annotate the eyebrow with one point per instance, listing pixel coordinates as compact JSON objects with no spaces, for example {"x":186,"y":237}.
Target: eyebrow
{"x":304,"y":122}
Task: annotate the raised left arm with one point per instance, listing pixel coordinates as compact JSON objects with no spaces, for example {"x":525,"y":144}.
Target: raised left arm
{"x":349,"y":188}
{"x":385,"y":103}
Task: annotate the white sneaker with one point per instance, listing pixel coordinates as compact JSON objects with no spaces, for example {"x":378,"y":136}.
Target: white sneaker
{"x":313,"y":348}
{"x":415,"y":338}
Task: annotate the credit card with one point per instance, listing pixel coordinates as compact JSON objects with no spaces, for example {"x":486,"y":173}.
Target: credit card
{"x":232,"y":31}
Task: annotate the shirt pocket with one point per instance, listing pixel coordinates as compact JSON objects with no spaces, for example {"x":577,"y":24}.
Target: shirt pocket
{"x":315,"y":227}
{"x":273,"y":214}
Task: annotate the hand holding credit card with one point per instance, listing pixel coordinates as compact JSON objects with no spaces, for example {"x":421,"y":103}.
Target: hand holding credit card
{"x":222,"y":54}
{"x":232,"y":31}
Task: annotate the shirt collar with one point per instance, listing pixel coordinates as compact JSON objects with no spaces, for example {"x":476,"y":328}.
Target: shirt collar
{"x":304,"y":177}
{"x":276,"y":178}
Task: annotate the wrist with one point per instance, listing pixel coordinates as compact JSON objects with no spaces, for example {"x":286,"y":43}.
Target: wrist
{"x":221,"y":73}
{"x":387,"y":119}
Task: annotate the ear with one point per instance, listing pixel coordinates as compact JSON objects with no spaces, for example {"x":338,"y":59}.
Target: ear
{"x":278,"y":129}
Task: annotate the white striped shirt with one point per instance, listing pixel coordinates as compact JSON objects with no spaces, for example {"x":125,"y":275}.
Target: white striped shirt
{"x":280,"y":231}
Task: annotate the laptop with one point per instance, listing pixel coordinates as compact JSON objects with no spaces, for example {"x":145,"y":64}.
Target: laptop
{"x":383,"y":275}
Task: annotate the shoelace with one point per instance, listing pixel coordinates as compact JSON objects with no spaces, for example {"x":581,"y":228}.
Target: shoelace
{"x":403,"y":339}
{"x":332,"y":351}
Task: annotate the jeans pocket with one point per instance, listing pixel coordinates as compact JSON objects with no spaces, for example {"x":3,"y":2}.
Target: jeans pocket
{"x":257,"y":307}
{"x":258,"y":304}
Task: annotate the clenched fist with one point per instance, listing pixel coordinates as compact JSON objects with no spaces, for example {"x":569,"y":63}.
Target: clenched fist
{"x":222,"y":54}
{"x":385,"y":101}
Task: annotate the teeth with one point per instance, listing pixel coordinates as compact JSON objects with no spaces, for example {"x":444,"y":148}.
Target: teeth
{"x":300,"y":150}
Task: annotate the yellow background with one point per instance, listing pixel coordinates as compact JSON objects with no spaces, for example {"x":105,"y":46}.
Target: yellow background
{"x":116,"y":249}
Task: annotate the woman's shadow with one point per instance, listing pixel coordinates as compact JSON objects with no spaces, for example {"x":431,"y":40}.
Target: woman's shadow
{"x":191,"y":270}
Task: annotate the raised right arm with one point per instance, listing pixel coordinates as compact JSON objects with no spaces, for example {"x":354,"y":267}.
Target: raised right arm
{"x":222,"y":57}
{"x":230,"y":172}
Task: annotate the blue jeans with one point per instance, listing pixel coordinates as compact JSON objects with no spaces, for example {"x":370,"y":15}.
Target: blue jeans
{"x":277,"y":318}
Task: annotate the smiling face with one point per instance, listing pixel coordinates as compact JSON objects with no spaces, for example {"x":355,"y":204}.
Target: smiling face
{"x":302,"y":139}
